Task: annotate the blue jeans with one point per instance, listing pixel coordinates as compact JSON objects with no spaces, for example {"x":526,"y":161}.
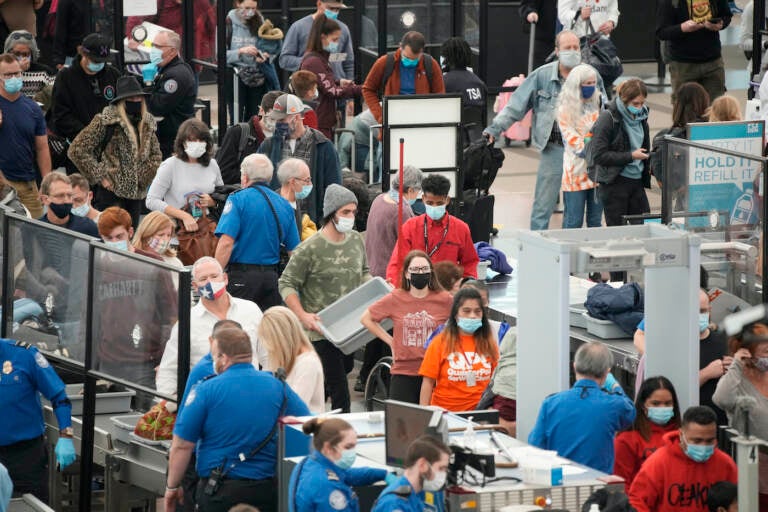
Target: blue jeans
{"x":575,"y":203}
{"x":548,"y":179}
{"x":270,"y":76}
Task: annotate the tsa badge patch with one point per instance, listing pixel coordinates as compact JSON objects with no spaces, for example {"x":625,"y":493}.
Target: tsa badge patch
{"x":109,"y":93}
{"x":171,"y":86}
{"x":41,"y":361}
{"x":7,"y":367}
{"x":337,"y":500}
{"x":227,"y":207}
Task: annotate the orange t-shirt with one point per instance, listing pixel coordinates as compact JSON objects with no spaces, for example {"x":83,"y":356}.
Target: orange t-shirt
{"x":450,"y":372}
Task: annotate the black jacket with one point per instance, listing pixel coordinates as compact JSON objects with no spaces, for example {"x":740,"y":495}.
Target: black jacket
{"x":71,"y":28}
{"x":545,"y":28}
{"x":173,"y":98}
{"x":610,"y":146}
{"x":228,"y":156}
{"x":700,"y":46}
{"x":78,"y":97}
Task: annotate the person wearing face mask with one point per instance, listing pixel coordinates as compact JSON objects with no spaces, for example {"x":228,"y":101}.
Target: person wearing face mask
{"x":82,"y":198}
{"x":118,"y":152}
{"x":714,"y":359}
{"x":174,"y":89}
{"x":322,"y":269}
{"x":748,"y":377}
{"x":678,"y":474}
{"x":154,"y":235}
{"x":409,"y":74}
{"x":658,"y":412}
{"x":621,"y":142}
{"x":243,"y":139}
{"x":438,"y":233}
{"x":416,"y":308}
{"x":293,"y":139}
{"x":190,"y":175}
{"x":295,"y":186}
{"x":322,"y":43}
{"x":303,"y":84}
{"x":56,"y":195}
{"x":215,"y":305}
{"x":256,"y":225}
{"x":225,"y":435}
{"x":83,"y":89}
{"x":539,"y":92}
{"x":581,"y":422}
{"x":135,"y":304}
{"x":323,"y":481}
{"x":426,"y":471}
{"x":22,"y":45}
{"x":458,"y":364}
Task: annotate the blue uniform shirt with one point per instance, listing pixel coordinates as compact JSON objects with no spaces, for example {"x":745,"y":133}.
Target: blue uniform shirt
{"x":24,"y":373}
{"x":248,"y":219}
{"x":317,"y":484}
{"x":203,"y":369}
{"x":391,"y":501}
{"x":580,"y":423}
{"x":231,"y":414}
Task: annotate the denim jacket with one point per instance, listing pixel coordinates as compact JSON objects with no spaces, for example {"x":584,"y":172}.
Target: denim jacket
{"x":539,"y":92}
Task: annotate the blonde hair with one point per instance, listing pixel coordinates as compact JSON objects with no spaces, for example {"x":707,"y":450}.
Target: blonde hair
{"x":282,"y":334}
{"x":148,"y":227}
{"x":725,"y":108}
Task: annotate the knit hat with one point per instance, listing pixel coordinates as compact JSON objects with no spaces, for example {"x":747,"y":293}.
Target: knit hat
{"x":22,"y":37}
{"x":268,"y":31}
{"x":336,"y":196}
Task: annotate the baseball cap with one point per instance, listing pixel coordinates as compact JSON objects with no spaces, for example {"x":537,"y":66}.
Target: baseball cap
{"x":96,"y":48}
{"x":286,"y":105}
{"x":335,"y":4}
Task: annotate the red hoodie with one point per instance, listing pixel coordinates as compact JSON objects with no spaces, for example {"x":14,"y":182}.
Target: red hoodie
{"x":671,"y":481}
{"x":631,"y":450}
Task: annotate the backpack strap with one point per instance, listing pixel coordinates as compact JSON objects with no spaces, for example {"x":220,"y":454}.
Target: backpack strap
{"x":428,"y":68}
{"x":389,"y":66}
{"x":246,"y":134}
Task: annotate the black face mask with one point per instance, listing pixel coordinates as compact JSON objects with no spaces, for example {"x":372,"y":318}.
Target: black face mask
{"x":133,"y":108}
{"x":420,"y":281}
{"x":60,"y":210}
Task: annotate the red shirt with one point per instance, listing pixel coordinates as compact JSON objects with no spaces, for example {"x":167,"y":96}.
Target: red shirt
{"x":631,"y":450}
{"x":670,"y":481}
{"x":451,"y":244}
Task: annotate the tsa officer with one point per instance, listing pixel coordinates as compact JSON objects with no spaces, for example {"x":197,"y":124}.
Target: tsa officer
{"x":426,"y":469}
{"x":24,"y":374}
{"x":323,"y":481}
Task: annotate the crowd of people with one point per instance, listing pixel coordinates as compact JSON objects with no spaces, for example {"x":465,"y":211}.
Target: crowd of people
{"x":109,"y":158}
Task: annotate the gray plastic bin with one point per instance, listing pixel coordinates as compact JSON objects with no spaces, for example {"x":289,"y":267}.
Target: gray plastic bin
{"x":123,"y":427}
{"x":106,"y":403}
{"x":576,"y":316}
{"x":340,"y":322}
{"x":604,"y":328}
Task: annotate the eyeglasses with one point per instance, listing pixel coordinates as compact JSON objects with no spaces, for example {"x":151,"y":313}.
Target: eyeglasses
{"x":307,"y":180}
{"x":155,"y":45}
{"x":5,"y":76}
{"x":419,"y":270}
{"x":21,"y":56}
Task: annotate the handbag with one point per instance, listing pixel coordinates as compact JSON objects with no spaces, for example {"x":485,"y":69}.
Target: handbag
{"x":193,"y":245}
{"x":251,"y":76}
{"x":598,"y":51}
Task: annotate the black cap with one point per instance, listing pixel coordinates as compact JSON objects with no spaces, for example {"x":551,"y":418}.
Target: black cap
{"x":128,"y":86}
{"x":96,"y":47}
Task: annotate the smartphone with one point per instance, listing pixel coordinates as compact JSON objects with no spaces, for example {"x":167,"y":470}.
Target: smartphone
{"x":715,"y":21}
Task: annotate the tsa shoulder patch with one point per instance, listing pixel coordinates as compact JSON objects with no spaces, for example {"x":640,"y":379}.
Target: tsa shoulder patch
{"x":190,"y":398}
{"x":227,"y":207}
{"x":41,"y":361}
{"x":171,"y":86}
{"x":337,"y":500}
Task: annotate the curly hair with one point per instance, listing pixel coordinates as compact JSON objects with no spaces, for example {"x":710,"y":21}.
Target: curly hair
{"x":193,"y":128}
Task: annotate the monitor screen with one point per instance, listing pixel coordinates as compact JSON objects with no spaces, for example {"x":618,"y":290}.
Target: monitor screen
{"x":404,"y":422}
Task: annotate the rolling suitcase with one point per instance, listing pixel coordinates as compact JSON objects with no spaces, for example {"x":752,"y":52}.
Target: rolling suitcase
{"x":478,"y":214}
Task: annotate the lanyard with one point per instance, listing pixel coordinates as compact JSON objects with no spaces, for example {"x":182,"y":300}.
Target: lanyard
{"x":442,"y":239}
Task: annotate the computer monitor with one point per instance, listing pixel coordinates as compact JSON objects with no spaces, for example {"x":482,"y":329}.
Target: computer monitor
{"x":404,"y":422}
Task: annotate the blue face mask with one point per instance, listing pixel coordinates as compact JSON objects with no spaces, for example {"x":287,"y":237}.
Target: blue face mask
{"x":347,"y":459}
{"x":408,"y":63}
{"x":155,"y":55}
{"x":699,"y":452}
{"x":304,"y":192}
{"x":13,"y":85}
{"x":95,"y":67}
{"x":331,"y":15}
{"x":703,"y":322}
{"x":587,"y":91}
{"x":82,"y":210}
{"x":119,"y":244}
{"x":660,"y":415}
{"x":435,"y":212}
{"x":332,"y":47}
{"x":634,"y":110}
{"x":469,"y":325}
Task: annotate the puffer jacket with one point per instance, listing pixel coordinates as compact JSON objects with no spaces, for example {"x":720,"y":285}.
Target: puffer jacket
{"x":623,"y":306}
{"x":128,"y":163}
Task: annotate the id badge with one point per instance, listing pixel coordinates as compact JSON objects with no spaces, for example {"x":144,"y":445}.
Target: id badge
{"x":337,"y":57}
{"x":471,"y":379}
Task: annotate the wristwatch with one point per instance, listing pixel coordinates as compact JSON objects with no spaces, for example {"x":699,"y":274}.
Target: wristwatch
{"x":66,"y":432}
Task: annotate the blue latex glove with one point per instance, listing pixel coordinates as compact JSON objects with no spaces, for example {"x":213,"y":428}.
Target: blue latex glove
{"x":149,"y":72}
{"x":391,"y":477}
{"x":65,"y":452}
{"x":610,"y":382}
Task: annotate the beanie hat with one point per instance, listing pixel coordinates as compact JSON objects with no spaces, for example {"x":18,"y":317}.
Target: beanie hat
{"x":336,"y":196}
{"x":22,"y":37}
{"x":269,"y":31}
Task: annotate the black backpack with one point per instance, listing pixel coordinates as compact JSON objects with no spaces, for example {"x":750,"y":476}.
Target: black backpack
{"x":481,"y":163}
{"x":655,"y":159}
{"x":389,"y":66}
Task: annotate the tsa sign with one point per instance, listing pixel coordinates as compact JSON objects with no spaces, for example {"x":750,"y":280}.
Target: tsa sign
{"x":722,"y":182}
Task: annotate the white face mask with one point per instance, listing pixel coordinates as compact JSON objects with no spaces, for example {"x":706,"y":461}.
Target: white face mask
{"x":437,"y":483}
{"x":268,"y":125}
{"x":194,"y":149}
{"x":344,"y":224}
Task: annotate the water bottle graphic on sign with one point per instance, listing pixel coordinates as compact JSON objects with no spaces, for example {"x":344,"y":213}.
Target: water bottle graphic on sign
{"x":744,"y":209}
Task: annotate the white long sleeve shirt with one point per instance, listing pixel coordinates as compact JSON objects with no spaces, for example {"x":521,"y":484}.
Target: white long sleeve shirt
{"x":605,"y":10}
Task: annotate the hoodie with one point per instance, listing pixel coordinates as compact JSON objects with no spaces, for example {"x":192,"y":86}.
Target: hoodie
{"x":631,"y":450}
{"x":670,"y":481}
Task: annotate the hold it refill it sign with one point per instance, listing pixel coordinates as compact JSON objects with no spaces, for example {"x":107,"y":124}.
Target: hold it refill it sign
{"x":721,"y":182}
